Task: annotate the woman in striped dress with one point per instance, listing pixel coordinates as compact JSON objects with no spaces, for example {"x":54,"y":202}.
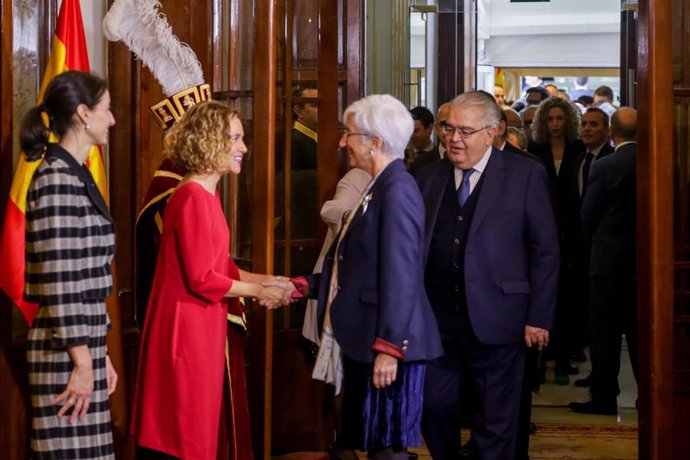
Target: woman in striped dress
{"x":70,"y":242}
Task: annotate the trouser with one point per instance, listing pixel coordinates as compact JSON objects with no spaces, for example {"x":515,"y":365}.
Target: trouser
{"x":613,"y":313}
{"x":495,"y":375}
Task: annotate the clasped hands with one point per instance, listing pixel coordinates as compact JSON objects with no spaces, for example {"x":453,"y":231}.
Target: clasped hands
{"x":276,"y":292}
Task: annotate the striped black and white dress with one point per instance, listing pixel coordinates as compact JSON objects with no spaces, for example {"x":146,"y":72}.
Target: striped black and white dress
{"x":70,"y":242}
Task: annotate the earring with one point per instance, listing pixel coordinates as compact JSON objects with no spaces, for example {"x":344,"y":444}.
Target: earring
{"x":87,"y":126}
{"x":371,"y":152}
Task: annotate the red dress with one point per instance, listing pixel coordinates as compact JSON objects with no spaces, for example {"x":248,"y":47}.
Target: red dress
{"x":177,"y":404}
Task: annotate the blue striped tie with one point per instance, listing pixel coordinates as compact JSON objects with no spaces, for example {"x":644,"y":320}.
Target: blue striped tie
{"x":464,"y":189}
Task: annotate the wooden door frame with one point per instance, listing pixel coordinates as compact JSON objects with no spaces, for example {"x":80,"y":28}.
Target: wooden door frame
{"x":655,"y":230}
{"x":264,"y":107}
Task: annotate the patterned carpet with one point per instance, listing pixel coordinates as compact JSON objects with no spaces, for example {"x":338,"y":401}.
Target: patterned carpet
{"x":575,"y":441}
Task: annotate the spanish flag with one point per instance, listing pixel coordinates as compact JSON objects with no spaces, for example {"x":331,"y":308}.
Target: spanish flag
{"x":68,"y":52}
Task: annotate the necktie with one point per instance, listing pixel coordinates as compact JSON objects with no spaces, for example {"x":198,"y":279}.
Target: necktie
{"x":464,"y":189}
{"x":585,"y":170}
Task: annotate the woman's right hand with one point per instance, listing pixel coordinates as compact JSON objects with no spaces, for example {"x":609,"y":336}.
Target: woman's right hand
{"x":77,"y":395}
{"x":272,"y":297}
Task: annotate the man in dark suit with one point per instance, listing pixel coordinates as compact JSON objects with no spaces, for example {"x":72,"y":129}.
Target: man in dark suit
{"x":424,"y":151}
{"x":491,"y":276}
{"x":572,"y":320}
{"x":609,"y":223}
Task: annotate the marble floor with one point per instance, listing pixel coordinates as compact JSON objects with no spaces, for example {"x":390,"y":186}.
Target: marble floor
{"x":562,"y":434}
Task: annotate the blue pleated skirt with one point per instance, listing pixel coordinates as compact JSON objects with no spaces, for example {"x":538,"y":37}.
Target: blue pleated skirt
{"x":373,"y":419}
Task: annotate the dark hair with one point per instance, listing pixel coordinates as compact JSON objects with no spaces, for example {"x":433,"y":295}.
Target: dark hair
{"x":604,"y":91}
{"x":424,"y":115}
{"x":585,"y":100}
{"x":518,"y":106}
{"x":299,"y":92}
{"x":538,"y":89}
{"x":62,"y":97}
{"x":604,"y":115}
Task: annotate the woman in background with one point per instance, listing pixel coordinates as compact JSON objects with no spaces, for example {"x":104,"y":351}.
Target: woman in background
{"x":179,"y":394}
{"x":556,"y":134}
{"x":347,"y":193}
{"x":556,"y":131}
{"x":70,"y":242}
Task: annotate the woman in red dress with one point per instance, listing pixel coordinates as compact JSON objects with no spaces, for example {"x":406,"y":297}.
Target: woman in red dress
{"x":179,"y":392}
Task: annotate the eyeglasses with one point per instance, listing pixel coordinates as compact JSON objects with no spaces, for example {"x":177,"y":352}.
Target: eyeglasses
{"x":464,"y":133}
{"x":347,"y":134}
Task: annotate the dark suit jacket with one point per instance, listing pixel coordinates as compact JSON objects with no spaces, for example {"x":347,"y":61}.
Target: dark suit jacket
{"x":424,"y":159}
{"x":511,"y":258}
{"x":609,"y":213}
{"x":303,"y":151}
{"x":570,"y":201}
{"x":381,"y":274}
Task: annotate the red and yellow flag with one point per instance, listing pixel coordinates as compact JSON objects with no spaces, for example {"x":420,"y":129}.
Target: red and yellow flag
{"x":68,"y":52}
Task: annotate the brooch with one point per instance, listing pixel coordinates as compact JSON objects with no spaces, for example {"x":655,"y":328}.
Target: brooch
{"x":365,"y":202}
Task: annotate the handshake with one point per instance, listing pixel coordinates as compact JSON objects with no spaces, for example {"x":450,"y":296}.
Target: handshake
{"x":277,"y":291}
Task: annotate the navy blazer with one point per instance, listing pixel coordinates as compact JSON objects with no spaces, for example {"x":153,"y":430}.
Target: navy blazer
{"x":512,"y":254}
{"x":381,"y":275}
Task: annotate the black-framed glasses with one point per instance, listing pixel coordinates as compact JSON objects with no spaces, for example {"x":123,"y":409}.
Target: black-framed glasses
{"x":464,"y":133}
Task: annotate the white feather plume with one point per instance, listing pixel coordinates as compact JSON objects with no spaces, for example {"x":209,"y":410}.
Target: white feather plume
{"x":146,"y":32}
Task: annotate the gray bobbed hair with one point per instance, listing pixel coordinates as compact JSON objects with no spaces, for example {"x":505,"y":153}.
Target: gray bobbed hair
{"x":383,"y":116}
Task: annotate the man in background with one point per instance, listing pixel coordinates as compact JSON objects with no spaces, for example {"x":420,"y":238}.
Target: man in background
{"x":609,"y":221}
{"x":424,"y":149}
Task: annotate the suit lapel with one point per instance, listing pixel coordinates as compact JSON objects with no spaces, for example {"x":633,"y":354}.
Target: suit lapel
{"x":493,"y":178}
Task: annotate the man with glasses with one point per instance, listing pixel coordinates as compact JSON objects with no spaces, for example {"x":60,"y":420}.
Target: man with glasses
{"x":491,"y":277}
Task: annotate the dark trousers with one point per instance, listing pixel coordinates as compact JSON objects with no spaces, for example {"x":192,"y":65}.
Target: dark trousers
{"x":494,"y":375}
{"x":613,"y":313}
{"x":572,"y":315}
{"x":530,"y":382}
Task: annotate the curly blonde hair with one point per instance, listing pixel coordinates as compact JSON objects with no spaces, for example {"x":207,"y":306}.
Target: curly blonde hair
{"x":200,"y":141}
{"x":540,"y":130}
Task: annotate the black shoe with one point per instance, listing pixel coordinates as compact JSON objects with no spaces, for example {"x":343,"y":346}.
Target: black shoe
{"x":585,"y":382}
{"x":607,"y":407}
{"x":532,"y":428}
{"x":579,"y":357}
{"x":412,"y":455}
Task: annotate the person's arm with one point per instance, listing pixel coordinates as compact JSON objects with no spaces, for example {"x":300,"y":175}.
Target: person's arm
{"x":594,"y":202}
{"x":543,"y":248}
{"x":347,"y":192}
{"x":77,"y":395}
{"x":399,"y":274}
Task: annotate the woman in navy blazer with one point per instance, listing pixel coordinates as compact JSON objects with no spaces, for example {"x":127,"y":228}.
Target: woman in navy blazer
{"x":377,"y":325}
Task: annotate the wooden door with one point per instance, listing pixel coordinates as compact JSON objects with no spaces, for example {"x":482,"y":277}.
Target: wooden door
{"x":662,"y":228}
{"x":320,"y":44}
